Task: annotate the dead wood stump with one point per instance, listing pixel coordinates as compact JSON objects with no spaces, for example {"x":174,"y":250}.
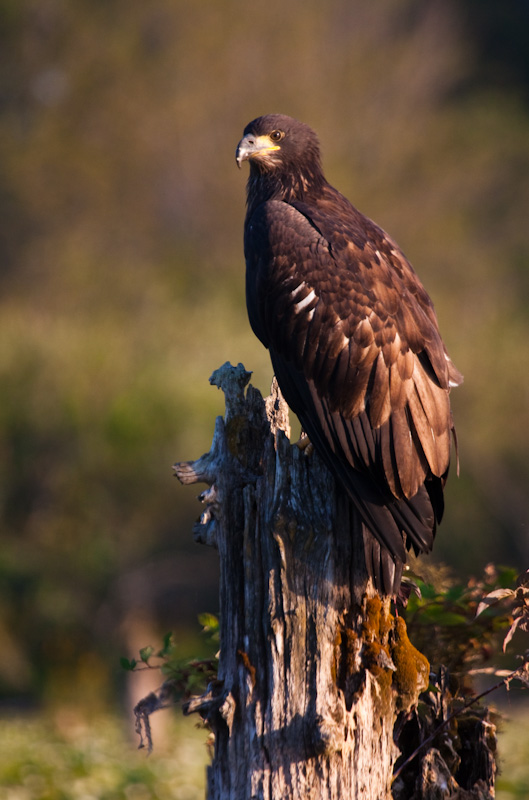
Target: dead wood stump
{"x":314,"y":670}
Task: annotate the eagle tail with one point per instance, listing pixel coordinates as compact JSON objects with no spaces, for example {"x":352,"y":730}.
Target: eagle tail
{"x":393,"y":524}
{"x":390,"y":528}
{"x":384,"y":570}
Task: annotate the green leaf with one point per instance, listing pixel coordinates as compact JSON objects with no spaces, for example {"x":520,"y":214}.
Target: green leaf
{"x":440,"y":616}
{"x":128,"y":665}
{"x":146,"y":653}
{"x":455,"y":593}
{"x":428,"y":591}
{"x":208,"y":621}
{"x":174,"y":669}
{"x":507,"y":576}
{"x":194,"y":683}
{"x":168,"y":645}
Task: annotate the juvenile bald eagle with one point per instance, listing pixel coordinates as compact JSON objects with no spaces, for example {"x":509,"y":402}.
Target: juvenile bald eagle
{"x":354,"y":342}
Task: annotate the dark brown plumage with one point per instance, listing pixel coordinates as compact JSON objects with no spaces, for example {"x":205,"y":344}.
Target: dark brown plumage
{"x":353,"y":339}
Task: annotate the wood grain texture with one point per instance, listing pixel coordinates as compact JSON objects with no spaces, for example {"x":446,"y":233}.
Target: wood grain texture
{"x":310,"y":683}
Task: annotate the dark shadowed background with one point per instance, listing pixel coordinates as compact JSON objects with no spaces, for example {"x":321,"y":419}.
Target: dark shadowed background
{"x":122,"y":281}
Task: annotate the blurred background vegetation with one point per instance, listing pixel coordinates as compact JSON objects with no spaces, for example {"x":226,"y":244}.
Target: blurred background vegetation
{"x":122,"y":283}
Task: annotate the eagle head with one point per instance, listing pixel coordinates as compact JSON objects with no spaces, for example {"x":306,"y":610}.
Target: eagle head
{"x":276,"y":141}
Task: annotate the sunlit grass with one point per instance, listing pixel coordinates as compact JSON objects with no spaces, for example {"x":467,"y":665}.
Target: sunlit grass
{"x":67,"y":758}
{"x":513,"y":780}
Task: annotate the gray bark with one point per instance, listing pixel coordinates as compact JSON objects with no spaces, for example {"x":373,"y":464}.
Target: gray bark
{"x":314,"y":670}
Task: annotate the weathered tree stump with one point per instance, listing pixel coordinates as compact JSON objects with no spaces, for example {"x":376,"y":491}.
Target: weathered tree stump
{"x":314,"y":670}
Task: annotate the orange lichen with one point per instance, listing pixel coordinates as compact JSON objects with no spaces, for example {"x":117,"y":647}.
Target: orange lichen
{"x":336,"y":658}
{"x":386,"y":622}
{"x":345,"y":655}
{"x":376,"y":657}
{"x":371,"y":623}
{"x":349,"y":639}
{"x":383,"y":649}
{"x":245,"y":660}
{"x":412,"y":668}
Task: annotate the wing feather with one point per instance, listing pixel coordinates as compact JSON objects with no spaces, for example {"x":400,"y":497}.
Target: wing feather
{"x":379,"y":394}
{"x":358,"y":355}
{"x":388,"y":464}
{"x":410,"y":468}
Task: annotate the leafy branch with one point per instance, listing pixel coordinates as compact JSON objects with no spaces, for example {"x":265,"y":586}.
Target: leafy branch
{"x":461,"y":625}
{"x":521,"y":674}
{"x":183,"y":677}
{"x":517,"y":604}
{"x":449,"y":623}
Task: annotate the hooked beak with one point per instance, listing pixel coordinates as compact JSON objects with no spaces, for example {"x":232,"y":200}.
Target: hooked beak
{"x":251,"y":146}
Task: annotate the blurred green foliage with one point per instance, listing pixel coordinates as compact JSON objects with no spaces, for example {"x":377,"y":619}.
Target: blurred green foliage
{"x":64,"y":758}
{"x":513,"y":779}
{"x":122,"y":288}
{"x":67,"y":758}
{"x":442,"y":621}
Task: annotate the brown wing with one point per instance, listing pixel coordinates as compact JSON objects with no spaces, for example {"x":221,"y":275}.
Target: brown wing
{"x":357,"y":353}
{"x":364,"y":335}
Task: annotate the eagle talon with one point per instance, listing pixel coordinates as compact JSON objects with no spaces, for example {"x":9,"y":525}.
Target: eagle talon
{"x":304,"y":444}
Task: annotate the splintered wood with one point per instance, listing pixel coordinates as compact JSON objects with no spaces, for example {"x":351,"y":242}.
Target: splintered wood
{"x":314,"y":670}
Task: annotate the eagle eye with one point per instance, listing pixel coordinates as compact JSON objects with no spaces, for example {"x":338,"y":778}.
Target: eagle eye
{"x":276,"y":136}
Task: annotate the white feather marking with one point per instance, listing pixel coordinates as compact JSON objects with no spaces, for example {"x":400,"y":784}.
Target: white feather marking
{"x":452,"y":384}
{"x":301,"y":304}
{"x":298,"y":289}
